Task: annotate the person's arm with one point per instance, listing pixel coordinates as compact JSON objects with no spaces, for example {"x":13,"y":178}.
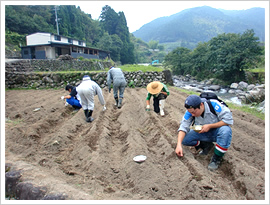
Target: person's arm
{"x":67,"y":97}
{"x":73,"y":93}
{"x":165,"y":90}
{"x":183,"y":129}
{"x":148,"y":102}
{"x":179,"y":148}
{"x":224,"y":115}
{"x":109,"y":80}
{"x":207,"y":127}
{"x":100,"y":95}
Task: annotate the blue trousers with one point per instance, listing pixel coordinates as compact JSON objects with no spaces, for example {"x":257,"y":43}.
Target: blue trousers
{"x":74,"y":102}
{"x":222,"y":136}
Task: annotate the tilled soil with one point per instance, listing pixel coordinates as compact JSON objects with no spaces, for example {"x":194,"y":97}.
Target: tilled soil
{"x":55,"y":147}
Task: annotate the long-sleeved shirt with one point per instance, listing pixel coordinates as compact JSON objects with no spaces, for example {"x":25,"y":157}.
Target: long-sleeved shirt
{"x":116,"y":75}
{"x":223,"y":113}
{"x":87,"y":90}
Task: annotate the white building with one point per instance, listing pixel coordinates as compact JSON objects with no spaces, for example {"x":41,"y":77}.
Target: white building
{"x":42,"y":45}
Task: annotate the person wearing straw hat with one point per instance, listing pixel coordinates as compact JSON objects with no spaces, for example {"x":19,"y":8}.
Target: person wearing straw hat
{"x":160,"y":92}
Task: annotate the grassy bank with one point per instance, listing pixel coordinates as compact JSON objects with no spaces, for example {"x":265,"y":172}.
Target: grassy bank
{"x":125,"y":68}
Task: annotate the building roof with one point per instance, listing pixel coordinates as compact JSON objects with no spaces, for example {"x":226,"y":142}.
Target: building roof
{"x":53,"y":44}
{"x":55,"y":35}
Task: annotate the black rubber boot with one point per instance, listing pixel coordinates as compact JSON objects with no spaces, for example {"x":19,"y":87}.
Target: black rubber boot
{"x":88,"y":115}
{"x":120,"y":103}
{"x":116,"y":101}
{"x":205,"y":146}
{"x":215,"y":162}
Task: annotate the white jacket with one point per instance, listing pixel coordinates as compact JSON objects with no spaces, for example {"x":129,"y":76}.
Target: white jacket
{"x":87,"y":90}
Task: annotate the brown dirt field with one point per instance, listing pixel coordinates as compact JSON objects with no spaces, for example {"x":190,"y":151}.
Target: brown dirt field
{"x":56,"y":148}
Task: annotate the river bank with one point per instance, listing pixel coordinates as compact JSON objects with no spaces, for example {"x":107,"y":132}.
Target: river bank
{"x":238,"y":93}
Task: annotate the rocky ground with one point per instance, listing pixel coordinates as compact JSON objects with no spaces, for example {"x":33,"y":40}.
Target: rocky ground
{"x":54,"y":147}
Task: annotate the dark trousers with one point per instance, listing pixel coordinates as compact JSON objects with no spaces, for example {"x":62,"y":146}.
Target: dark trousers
{"x":161,"y":96}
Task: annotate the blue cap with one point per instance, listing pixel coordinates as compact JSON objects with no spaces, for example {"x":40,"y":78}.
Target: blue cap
{"x":193,"y":101}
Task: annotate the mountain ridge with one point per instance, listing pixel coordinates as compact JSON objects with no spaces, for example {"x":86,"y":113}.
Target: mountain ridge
{"x":200,"y":24}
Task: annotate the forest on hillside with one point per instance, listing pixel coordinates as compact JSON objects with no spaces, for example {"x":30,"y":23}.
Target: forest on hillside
{"x":109,"y":33}
{"x":199,"y":24}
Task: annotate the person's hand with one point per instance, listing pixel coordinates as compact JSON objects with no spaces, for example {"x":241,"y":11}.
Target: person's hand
{"x":147,"y":108}
{"x":205,"y":128}
{"x":179,"y":150}
{"x":62,"y":98}
{"x":104,"y":108}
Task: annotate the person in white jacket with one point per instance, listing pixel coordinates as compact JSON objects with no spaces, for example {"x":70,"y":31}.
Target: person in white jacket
{"x":87,"y":90}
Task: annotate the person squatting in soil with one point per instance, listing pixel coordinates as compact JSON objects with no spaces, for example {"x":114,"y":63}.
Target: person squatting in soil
{"x":74,"y":101}
{"x":160,"y":92}
{"x":87,"y":90}
{"x":215,"y":128}
{"x":116,"y":76}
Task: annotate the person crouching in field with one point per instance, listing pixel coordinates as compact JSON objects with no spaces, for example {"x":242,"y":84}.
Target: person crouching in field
{"x":74,"y":101}
{"x":160,"y":92}
{"x":215,"y":128}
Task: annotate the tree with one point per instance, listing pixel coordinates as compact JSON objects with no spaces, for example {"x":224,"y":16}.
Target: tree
{"x":114,"y":23}
{"x":153,"y":44}
{"x":230,"y":54}
{"x":179,"y":60}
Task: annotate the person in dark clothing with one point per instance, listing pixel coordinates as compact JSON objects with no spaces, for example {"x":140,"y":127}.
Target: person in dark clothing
{"x":74,"y":101}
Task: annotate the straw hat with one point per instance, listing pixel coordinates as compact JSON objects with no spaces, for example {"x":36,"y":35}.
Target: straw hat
{"x":154,"y":87}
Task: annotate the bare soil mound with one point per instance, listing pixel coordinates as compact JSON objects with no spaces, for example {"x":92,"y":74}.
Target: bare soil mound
{"x":54,"y":147}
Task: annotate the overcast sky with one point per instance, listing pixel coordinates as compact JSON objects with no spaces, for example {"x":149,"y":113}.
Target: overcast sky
{"x":138,"y":13}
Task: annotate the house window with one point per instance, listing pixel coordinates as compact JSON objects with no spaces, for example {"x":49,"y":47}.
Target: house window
{"x":80,"y":43}
{"x":70,"y":40}
{"x":25,"y":52}
{"x":57,"y":38}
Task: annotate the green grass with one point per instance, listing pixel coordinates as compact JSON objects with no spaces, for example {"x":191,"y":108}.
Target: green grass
{"x":243,"y":108}
{"x":247,"y":109}
{"x":127,"y":68}
{"x":72,"y":71}
{"x":134,"y":68}
{"x":257,"y":70}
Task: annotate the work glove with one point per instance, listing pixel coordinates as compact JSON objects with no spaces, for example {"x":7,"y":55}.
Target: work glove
{"x":66,"y":104}
{"x":62,"y":98}
{"x":147,"y":108}
{"x":104,"y":108}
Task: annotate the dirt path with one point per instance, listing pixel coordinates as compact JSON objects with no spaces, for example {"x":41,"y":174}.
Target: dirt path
{"x":56,"y":148}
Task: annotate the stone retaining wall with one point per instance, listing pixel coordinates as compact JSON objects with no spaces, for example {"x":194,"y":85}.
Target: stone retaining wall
{"x":20,"y":74}
{"x":31,"y":65}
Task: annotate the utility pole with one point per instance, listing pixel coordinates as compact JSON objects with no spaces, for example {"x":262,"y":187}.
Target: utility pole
{"x":56,"y":19}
